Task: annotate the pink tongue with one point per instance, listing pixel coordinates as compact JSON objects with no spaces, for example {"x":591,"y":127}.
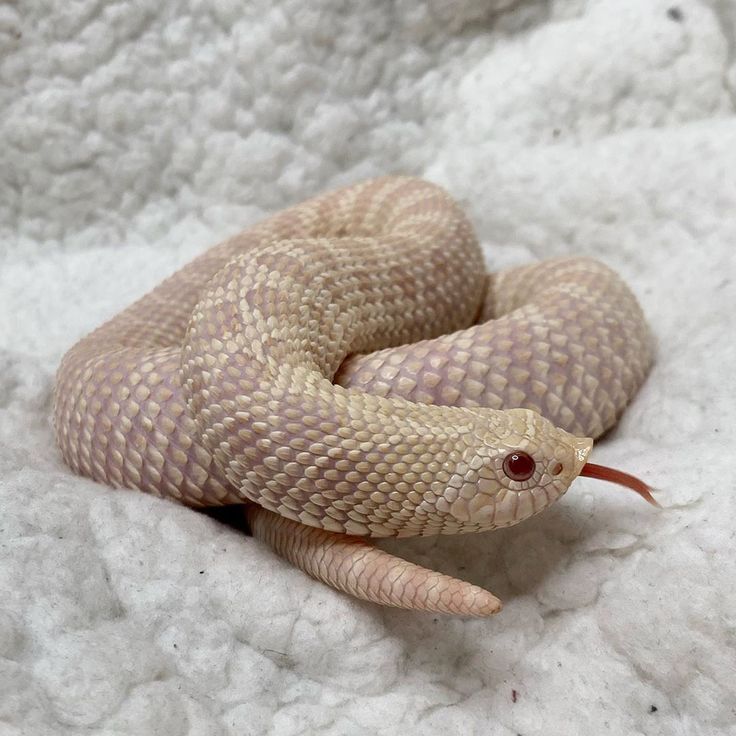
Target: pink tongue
{"x":591,"y":470}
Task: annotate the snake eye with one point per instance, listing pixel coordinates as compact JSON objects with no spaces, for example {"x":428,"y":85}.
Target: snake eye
{"x":519,"y":466}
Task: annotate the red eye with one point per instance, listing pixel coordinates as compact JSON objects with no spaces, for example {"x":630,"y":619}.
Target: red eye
{"x":519,"y":466}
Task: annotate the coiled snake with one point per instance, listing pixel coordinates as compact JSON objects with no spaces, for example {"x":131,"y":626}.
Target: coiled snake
{"x":248,"y":377}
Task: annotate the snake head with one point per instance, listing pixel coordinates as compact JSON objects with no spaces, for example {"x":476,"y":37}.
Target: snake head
{"x":513,"y":469}
{"x":515,"y":465}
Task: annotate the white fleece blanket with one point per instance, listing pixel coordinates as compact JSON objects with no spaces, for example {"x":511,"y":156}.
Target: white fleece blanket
{"x":135,"y":134}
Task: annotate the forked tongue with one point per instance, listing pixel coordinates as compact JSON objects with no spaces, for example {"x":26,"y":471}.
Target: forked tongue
{"x":601,"y":472}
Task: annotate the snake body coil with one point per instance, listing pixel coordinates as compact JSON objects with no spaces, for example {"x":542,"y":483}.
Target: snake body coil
{"x":251,"y":375}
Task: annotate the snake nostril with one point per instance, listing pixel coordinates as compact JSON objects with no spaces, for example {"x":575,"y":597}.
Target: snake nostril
{"x":556,"y":469}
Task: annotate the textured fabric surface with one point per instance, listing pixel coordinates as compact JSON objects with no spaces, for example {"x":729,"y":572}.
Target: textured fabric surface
{"x":137,"y":134}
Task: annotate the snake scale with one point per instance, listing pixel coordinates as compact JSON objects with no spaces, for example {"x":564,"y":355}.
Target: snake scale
{"x":347,"y":369}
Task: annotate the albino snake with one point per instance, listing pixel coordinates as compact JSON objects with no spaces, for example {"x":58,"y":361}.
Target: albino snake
{"x":244,"y":378}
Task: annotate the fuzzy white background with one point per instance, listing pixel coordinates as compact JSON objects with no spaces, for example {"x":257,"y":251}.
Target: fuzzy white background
{"x":135,"y":134}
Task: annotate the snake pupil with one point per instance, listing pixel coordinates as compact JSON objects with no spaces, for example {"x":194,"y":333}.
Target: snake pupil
{"x":519,"y":466}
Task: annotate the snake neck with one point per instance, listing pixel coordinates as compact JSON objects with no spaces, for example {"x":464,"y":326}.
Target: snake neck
{"x":258,"y":361}
{"x":260,"y":354}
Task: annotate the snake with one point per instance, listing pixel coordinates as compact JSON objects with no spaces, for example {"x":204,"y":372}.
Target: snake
{"x":346,"y":370}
